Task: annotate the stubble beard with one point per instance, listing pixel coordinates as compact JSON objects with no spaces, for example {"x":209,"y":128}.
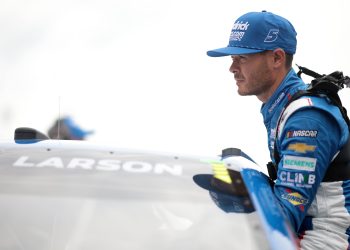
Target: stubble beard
{"x":258,"y":84}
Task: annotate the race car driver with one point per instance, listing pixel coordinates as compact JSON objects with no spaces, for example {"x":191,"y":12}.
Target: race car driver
{"x":65,"y":128}
{"x":307,"y":135}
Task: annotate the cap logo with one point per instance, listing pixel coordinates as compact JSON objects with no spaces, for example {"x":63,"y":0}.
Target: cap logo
{"x":238,"y":30}
{"x":240,"y":26}
{"x":271,"y":36}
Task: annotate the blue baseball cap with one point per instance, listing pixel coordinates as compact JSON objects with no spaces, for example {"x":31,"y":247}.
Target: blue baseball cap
{"x":256,"y":32}
{"x":74,"y":130}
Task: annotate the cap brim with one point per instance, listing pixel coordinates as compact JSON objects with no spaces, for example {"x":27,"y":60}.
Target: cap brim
{"x":80,"y":133}
{"x":228,"y":51}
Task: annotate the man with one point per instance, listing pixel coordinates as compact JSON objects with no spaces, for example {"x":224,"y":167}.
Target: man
{"x":66,"y":129}
{"x":308,"y":136}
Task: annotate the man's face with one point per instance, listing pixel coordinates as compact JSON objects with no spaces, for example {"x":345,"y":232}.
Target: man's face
{"x":253,"y":74}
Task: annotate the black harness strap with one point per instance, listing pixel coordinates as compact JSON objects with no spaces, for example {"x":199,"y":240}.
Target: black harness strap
{"x":339,"y":170}
{"x":308,"y":72}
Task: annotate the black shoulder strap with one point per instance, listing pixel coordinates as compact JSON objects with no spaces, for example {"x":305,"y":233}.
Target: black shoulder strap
{"x":327,"y":86}
{"x":308,"y":72}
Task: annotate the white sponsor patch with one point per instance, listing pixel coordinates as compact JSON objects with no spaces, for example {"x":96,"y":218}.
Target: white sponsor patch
{"x":297,"y":179}
{"x":302,"y":133}
{"x":299,"y":163}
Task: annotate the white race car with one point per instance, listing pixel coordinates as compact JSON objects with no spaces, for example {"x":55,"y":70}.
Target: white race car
{"x":71,"y":195}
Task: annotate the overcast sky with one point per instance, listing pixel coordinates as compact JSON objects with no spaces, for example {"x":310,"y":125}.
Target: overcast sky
{"x":136,"y":71}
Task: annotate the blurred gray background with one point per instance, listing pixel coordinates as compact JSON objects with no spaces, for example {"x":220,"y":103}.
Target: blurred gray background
{"x":136,"y":71}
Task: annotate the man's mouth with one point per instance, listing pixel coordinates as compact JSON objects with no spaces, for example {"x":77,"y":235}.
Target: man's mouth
{"x":239,"y":80}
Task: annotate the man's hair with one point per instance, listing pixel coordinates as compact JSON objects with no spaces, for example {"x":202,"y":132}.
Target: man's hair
{"x":289,"y":60}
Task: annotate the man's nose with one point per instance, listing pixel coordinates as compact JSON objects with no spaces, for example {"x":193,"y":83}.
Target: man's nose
{"x":234,"y":67}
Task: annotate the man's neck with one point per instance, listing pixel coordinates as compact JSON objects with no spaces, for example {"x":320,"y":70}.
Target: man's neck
{"x":277,"y":82}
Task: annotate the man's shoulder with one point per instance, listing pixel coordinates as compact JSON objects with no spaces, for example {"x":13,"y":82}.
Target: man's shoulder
{"x":314,"y":108}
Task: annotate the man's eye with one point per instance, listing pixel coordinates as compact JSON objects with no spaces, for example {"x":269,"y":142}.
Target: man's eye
{"x":243,"y":59}
{"x":239,"y":59}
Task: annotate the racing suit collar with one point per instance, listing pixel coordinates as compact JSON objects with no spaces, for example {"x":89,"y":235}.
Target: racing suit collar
{"x":291,"y":80}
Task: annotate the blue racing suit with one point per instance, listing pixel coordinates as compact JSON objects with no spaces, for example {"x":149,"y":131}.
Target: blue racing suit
{"x":310,"y":134}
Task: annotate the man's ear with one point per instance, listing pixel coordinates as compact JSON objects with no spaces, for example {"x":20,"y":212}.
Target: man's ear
{"x":279,"y":57}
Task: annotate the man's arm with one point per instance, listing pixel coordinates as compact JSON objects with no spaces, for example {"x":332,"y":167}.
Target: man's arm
{"x":309,"y":140}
